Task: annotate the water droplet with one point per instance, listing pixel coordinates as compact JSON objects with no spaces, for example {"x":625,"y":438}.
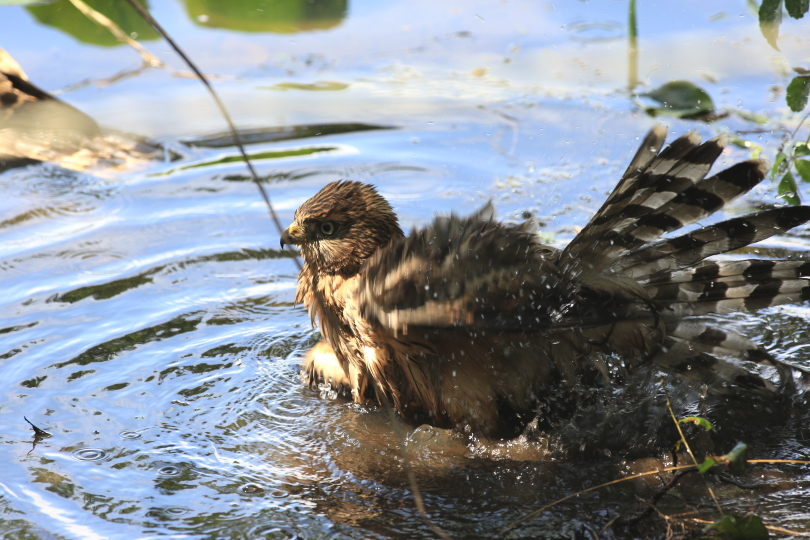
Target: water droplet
{"x":252,"y":489}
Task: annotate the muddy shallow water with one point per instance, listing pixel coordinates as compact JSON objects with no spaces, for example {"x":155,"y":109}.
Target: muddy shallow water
{"x":147,"y":320}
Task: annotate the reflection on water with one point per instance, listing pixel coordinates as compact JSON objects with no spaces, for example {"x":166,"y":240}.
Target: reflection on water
{"x":62,"y":14}
{"x":283,"y":16}
{"x":148,"y":325}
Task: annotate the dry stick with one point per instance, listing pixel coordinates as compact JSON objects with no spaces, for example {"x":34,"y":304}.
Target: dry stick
{"x":796,"y":461}
{"x":686,"y":444}
{"x":677,"y":477}
{"x":663,"y":516}
{"x":102,"y":20}
{"x":657,"y":497}
{"x":770,"y":528}
{"x":606,"y":484}
{"x":639,"y":475}
{"x":145,"y":14}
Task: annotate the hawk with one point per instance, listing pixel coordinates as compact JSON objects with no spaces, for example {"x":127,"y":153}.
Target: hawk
{"x":469,"y":322}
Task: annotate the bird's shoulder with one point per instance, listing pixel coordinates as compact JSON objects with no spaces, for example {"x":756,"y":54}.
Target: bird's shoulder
{"x":460,"y":271}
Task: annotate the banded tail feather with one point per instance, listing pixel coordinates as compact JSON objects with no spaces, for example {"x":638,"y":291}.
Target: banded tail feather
{"x":664,"y":194}
{"x":690,"y":249}
{"x":707,"y":355}
{"x":671,"y":193}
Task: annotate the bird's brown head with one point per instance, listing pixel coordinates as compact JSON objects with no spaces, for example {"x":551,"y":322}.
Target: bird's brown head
{"x":342,"y":226}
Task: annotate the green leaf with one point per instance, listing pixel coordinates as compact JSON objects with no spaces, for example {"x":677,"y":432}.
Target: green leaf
{"x":707,"y":464}
{"x":698,"y":421}
{"x":737,"y":457}
{"x":64,"y":16}
{"x":751,"y":117}
{"x":770,"y":16}
{"x":780,"y":157}
{"x":797,"y":92}
{"x":281,"y":16}
{"x":740,"y":528}
{"x":680,"y":98}
{"x":788,"y":190}
{"x":803,"y":168}
{"x":801,"y":149}
{"x":797,"y":8}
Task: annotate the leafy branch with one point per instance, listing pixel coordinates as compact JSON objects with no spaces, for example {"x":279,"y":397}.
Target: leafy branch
{"x":792,"y":158}
{"x":770,"y":16}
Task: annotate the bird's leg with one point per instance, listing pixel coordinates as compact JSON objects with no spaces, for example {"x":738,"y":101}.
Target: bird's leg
{"x":322,"y":364}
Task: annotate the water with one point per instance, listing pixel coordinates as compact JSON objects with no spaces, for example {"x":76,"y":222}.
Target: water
{"x":147,"y":319}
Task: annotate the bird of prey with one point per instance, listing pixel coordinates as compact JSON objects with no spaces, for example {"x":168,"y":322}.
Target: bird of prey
{"x":470,"y":322}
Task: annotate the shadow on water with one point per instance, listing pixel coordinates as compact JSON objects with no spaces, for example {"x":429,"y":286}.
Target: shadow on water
{"x":284,"y":133}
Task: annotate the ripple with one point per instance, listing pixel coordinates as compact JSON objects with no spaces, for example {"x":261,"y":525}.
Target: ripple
{"x":270,"y":531}
{"x":89,"y":454}
{"x":594,"y":31}
{"x":63,"y":192}
{"x":169,"y":470}
{"x":97,"y":261}
{"x":130,"y":434}
{"x":252,"y":489}
{"x":175,"y":511}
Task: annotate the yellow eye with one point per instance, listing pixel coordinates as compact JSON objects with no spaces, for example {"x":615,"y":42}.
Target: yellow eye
{"x":327,"y":228}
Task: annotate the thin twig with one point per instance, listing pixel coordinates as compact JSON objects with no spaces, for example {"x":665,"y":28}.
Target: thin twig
{"x":237,"y":140}
{"x":686,"y":444}
{"x":796,"y":461}
{"x":662,"y":515}
{"x":737,"y":483}
{"x":803,"y":120}
{"x":657,"y":497}
{"x":120,"y":35}
{"x":578,"y":493}
{"x":779,"y":530}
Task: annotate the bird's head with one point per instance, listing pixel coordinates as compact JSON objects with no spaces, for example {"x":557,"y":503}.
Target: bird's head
{"x":342,"y":226}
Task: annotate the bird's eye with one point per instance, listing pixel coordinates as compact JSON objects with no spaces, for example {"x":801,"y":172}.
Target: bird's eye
{"x":327,"y":228}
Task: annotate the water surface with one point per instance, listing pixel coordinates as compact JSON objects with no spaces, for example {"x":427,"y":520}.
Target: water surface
{"x":147,"y":319}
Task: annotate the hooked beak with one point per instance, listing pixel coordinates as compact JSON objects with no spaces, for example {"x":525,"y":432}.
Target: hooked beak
{"x":291,"y":236}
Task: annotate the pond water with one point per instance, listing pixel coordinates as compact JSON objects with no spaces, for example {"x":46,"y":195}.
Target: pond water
{"x":147,"y":320}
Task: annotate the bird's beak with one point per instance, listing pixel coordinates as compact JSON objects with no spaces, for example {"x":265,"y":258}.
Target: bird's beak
{"x":291,"y":236}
